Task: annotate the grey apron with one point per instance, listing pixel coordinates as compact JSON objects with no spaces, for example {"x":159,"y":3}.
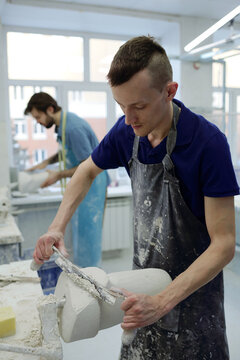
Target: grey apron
{"x":168,"y":236}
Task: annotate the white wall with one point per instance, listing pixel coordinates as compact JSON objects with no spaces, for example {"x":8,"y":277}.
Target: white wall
{"x":4,"y":155}
{"x":196,"y":83}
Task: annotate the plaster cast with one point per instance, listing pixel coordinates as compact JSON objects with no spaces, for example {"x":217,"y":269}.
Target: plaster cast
{"x":83,"y":315}
{"x":30,"y":182}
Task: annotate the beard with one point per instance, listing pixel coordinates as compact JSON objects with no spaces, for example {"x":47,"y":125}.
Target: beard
{"x":50,"y":122}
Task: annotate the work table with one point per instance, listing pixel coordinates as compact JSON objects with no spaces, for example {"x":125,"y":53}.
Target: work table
{"x":52,"y":196}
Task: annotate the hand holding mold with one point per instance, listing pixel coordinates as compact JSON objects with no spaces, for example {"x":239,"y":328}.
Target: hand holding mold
{"x":53,"y":177}
{"x":43,"y":250}
{"x":140,"y":310}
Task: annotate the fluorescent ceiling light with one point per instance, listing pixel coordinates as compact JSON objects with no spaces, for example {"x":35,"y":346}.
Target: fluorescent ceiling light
{"x":217,"y":44}
{"x":212,"y":29}
{"x":227,"y":54}
{"x":207,"y":47}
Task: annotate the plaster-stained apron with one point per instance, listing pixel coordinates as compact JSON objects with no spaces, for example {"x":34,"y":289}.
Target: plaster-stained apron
{"x":168,"y":236}
{"x":87,"y":220}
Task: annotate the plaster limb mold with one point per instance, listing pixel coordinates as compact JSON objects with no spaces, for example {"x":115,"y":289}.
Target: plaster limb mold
{"x":83,"y":315}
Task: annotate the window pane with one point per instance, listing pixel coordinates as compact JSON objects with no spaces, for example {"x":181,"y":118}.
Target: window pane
{"x":217,"y":75}
{"x":44,"y":57}
{"x":39,"y":155}
{"x":92,"y":107}
{"x":232,"y":72}
{"x":217,"y":100}
{"x":102,"y":52}
{"x":28,"y":136}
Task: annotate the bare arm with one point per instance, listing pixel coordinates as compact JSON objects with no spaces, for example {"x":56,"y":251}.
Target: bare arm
{"x":54,"y":176}
{"x":75,"y":192}
{"x":142,"y":310}
{"x":51,"y":160}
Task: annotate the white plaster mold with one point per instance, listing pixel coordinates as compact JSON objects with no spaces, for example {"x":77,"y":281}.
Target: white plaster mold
{"x":83,"y":315}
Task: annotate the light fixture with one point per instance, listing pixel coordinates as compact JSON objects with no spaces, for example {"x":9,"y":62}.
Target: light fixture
{"x":218,"y":47}
{"x":227,"y":54}
{"x":212,"y":29}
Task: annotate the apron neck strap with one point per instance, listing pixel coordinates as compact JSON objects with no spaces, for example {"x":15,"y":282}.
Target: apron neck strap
{"x":172,"y":135}
{"x":62,"y":153}
{"x":135,"y":147}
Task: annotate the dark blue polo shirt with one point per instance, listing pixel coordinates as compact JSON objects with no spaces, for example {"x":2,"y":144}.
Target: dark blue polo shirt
{"x":201,"y":157}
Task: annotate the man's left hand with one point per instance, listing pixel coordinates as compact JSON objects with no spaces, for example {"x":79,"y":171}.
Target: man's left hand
{"x":140,"y":310}
{"x":53,"y":176}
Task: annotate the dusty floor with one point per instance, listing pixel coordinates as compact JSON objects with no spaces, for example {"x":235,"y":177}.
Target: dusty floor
{"x":106,"y":345}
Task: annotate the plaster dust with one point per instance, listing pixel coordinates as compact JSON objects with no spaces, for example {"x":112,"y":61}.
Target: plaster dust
{"x":22,"y":296}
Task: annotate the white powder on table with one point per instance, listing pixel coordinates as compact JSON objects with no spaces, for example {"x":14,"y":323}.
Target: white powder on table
{"x":22,"y":296}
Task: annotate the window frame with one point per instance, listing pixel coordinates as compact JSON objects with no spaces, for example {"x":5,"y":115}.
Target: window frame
{"x":62,"y":87}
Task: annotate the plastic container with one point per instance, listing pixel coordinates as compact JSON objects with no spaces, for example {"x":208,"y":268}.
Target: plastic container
{"x":49,"y":273}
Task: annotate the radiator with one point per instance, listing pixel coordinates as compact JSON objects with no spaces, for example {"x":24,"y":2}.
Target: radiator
{"x":117,"y":224}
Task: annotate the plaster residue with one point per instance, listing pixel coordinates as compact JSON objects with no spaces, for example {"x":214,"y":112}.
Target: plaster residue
{"x":22,"y":297}
{"x":142,"y":254}
{"x":159,"y":223}
{"x":48,"y":307}
{"x":90,"y":288}
{"x":84,"y":284}
{"x":147,"y":202}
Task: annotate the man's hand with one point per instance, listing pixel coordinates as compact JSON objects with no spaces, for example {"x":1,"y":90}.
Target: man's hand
{"x":40,"y":166}
{"x":43,"y":249}
{"x":53,"y":177}
{"x":141,"y":310}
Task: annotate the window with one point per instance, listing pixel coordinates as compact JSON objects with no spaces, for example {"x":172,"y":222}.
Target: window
{"x":44,"y":57}
{"x":39,"y":155}
{"x":20,"y":128}
{"x":232,"y":71}
{"x":25,"y":130}
{"x":102,"y":52}
{"x":92,"y":107}
{"x":217,"y":74}
{"x":58,"y":65}
{"x":39,"y":132}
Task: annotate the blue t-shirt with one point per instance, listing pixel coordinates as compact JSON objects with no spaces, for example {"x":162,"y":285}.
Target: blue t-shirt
{"x":80,"y":139}
{"x":201,"y":157}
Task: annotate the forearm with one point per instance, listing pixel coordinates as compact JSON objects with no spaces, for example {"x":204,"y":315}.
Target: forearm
{"x":52,"y":159}
{"x":67,"y":173}
{"x":199,"y":273}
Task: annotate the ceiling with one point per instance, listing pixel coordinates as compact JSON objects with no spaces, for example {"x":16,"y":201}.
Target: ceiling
{"x":126,"y":17}
{"x":212,"y":9}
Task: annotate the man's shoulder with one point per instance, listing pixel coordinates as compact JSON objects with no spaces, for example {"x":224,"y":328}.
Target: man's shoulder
{"x":75,"y":119}
{"x":194,"y":127}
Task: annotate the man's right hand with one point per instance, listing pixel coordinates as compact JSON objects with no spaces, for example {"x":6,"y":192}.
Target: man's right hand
{"x":43,"y":250}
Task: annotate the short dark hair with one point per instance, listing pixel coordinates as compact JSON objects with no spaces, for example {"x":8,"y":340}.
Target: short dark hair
{"x":41,"y":101}
{"x":138,"y":54}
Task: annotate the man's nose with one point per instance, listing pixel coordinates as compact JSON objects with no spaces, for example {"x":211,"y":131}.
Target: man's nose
{"x":130,"y":116}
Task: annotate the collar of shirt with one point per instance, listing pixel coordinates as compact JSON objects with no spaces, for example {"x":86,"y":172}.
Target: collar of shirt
{"x":185,"y":125}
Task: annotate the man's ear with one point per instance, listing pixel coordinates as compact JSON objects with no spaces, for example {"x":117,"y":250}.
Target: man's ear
{"x":50,"y":110}
{"x":171,"y":89}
